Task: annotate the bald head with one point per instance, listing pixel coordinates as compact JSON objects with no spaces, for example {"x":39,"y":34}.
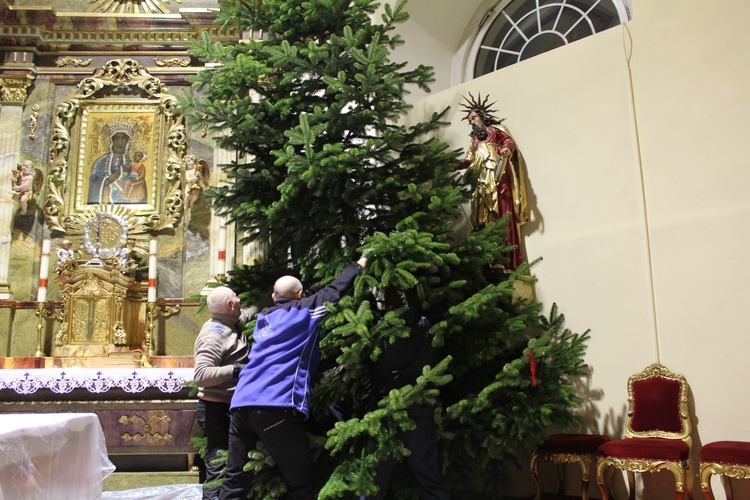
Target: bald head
{"x":287,"y":286}
{"x":223,"y":300}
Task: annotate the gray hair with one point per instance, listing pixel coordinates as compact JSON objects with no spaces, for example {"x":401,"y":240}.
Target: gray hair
{"x":218,"y":298}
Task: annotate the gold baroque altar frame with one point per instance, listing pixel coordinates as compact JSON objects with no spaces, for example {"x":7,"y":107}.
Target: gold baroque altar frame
{"x":114,"y":181}
{"x":84,"y":128}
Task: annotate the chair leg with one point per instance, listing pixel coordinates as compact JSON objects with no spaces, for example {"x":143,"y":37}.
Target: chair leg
{"x":707,"y":493}
{"x":631,"y":485}
{"x":727,"y":483}
{"x":601,"y":480}
{"x":683,"y":483}
{"x":534,"y":465}
{"x":604,"y":491}
{"x":705,"y":478}
{"x":585,"y":477}
{"x":560,"y":479}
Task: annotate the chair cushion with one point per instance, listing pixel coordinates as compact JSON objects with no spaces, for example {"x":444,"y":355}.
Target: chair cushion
{"x":726,"y":452}
{"x":674,"y":450}
{"x":656,"y":405}
{"x":576,"y":444}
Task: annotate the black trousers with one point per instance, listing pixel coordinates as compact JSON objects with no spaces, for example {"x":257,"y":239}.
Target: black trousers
{"x":423,"y":461}
{"x":282,"y":432}
{"x":213,"y":418}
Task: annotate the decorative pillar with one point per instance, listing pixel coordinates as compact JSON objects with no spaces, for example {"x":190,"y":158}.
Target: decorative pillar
{"x":13,"y":93}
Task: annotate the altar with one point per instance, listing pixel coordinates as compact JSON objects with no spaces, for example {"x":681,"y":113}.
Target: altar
{"x":116,"y":278}
{"x":53,"y":455}
{"x":143,"y":412}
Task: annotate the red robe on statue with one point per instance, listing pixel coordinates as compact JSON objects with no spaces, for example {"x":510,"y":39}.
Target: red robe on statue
{"x":501,"y":186}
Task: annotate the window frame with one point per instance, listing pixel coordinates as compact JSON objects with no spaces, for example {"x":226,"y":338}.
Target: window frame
{"x":622,"y":7}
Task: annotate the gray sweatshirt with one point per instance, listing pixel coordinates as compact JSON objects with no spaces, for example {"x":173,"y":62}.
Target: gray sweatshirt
{"x":219,"y":345}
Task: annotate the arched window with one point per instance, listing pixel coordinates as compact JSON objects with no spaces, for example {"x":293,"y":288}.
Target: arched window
{"x":515,"y":30}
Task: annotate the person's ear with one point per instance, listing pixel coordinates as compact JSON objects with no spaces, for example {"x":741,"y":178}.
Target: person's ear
{"x":273,"y":296}
{"x":299,"y":294}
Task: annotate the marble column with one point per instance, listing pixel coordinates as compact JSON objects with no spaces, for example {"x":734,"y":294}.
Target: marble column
{"x":13,"y":95}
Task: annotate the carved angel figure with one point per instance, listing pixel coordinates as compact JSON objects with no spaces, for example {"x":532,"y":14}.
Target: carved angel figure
{"x":197,"y":178}
{"x":65,"y":252}
{"x":122,"y":261}
{"x":66,"y":258}
{"x":26,"y":182}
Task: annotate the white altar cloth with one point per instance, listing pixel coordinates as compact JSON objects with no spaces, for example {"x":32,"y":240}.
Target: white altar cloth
{"x":95,"y":380}
{"x":52,"y":455}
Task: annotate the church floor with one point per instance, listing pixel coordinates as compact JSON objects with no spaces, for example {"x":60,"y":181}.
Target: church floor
{"x":120,"y":481}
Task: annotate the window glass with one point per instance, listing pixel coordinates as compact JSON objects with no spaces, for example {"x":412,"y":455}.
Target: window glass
{"x":526,"y":28}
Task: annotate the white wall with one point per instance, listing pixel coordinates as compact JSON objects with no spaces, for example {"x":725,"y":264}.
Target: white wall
{"x":433,"y":34}
{"x":635,"y":144}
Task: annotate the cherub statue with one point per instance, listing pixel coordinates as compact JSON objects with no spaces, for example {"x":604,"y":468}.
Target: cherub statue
{"x":66,"y":258}
{"x":122,"y":261}
{"x":65,"y":252}
{"x":197,"y":177}
{"x":26,"y":182}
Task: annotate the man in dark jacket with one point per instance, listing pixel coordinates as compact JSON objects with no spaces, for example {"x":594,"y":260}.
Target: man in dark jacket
{"x":400,"y":364}
{"x":272,"y":398}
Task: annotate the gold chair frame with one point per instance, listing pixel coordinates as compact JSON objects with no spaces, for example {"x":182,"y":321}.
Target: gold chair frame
{"x":678,"y":468}
{"x":586,"y":461}
{"x":726,"y":471}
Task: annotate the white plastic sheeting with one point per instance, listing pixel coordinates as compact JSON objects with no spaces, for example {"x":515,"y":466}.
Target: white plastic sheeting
{"x":52,"y":455}
{"x":171,"y":492}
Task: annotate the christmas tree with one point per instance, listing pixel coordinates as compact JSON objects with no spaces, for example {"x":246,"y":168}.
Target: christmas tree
{"x":326,"y":171}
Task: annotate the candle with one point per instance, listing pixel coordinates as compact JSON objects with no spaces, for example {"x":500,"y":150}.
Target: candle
{"x":41,"y":295}
{"x":221,"y":265}
{"x":152,"y":271}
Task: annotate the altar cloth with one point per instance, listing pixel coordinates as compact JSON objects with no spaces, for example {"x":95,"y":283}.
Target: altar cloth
{"x":95,"y":380}
{"x":52,"y":455}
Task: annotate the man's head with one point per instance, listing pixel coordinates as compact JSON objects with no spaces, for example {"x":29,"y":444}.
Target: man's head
{"x":223,"y":300}
{"x":288,"y":287}
{"x":120,"y":142}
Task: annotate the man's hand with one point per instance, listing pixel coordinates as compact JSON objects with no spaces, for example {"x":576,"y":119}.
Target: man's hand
{"x":237,"y":368}
{"x":362,"y":262}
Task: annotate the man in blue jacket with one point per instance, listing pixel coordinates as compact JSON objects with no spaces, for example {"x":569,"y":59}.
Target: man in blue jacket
{"x":272,"y":398}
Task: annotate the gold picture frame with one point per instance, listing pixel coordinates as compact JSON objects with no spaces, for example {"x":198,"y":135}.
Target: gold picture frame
{"x":98,"y":178}
{"x":117,"y":141}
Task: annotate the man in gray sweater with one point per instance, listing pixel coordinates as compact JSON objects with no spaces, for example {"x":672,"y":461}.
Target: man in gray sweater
{"x":220,"y":353}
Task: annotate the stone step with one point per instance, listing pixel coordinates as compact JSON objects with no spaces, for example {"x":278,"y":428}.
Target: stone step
{"x":119,"y":481}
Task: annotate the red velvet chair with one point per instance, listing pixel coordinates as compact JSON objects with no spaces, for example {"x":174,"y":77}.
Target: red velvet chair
{"x":567,"y":449}
{"x":729,"y":459}
{"x":657,"y":432}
